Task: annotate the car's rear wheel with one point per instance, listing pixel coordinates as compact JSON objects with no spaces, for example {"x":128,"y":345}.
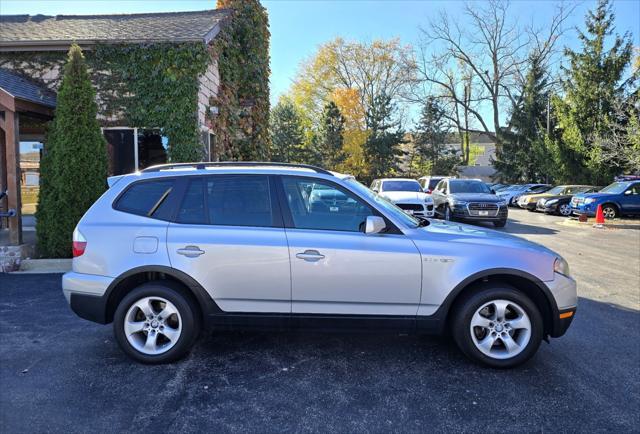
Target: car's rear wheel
{"x":564,"y":210}
{"x":609,"y":211}
{"x":499,"y":327}
{"x":156,"y":323}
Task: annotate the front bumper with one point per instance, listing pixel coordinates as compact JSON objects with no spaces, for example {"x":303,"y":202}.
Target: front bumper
{"x":588,"y":209}
{"x":416,"y":208}
{"x":87,"y":295}
{"x":565,"y":293}
{"x":547,"y":209}
{"x":461,"y":212}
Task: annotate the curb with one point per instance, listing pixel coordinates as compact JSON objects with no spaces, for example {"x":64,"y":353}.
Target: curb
{"x":590,"y":224}
{"x":42,"y":266}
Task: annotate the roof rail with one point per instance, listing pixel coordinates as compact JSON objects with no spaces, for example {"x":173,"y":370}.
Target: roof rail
{"x":204,"y":165}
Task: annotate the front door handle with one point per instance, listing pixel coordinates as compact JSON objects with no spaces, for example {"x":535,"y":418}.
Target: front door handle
{"x":190,"y":251}
{"x":310,"y":255}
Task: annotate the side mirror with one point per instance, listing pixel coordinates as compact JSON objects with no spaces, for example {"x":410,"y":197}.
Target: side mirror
{"x":627,"y":193}
{"x":374,"y":225}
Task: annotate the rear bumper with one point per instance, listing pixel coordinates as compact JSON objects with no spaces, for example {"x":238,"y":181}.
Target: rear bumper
{"x":86,"y":295}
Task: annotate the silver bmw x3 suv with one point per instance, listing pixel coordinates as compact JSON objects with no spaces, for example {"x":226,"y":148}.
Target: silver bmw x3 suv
{"x":178,"y":248}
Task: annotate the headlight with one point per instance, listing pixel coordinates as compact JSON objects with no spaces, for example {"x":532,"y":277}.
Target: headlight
{"x":561,"y":266}
{"x":550,"y":202}
{"x":428,"y":199}
{"x":458,"y":202}
{"x":589,"y":200}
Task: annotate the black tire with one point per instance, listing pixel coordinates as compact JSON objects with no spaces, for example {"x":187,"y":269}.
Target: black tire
{"x":466,"y":308}
{"x":186,"y":307}
{"x":447,"y":213}
{"x":610,"y":211}
{"x":500,"y":223}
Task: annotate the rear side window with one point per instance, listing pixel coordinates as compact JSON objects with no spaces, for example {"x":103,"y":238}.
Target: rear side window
{"x":237,"y":200}
{"x":433,"y":183}
{"x":147,"y":198}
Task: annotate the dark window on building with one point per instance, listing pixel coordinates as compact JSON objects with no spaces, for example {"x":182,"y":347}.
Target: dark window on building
{"x":152,"y":148}
{"x":148,"y":198}
{"x":120,"y":150}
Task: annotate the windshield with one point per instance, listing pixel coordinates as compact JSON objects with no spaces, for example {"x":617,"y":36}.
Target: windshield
{"x":615,"y":188}
{"x":468,"y":187}
{"x":387,"y":206}
{"x":557,"y":190}
{"x":401,"y":186}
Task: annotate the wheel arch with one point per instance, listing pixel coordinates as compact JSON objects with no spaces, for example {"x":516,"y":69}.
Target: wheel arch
{"x":530,"y":285}
{"x":135,"y":277}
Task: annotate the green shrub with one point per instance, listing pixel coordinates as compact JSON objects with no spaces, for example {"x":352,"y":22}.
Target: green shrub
{"x":74,"y":166}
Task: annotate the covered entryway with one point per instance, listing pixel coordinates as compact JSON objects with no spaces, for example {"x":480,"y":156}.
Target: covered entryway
{"x":25,"y":109}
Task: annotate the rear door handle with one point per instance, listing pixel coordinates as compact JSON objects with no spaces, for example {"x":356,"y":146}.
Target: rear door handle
{"x":190,"y":251}
{"x":310,"y":255}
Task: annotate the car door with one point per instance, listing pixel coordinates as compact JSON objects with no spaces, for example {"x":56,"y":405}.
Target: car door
{"x":335,"y":267}
{"x":228,"y":236}
{"x":630,"y":200}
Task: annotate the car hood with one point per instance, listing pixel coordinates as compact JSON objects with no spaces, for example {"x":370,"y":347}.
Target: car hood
{"x":475,"y":197}
{"x":468,"y":234}
{"x":405,"y":196}
{"x":596,"y":195}
{"x":556,"y":196}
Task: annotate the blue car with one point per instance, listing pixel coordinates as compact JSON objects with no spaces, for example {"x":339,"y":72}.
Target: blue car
{"x":617,"y":199}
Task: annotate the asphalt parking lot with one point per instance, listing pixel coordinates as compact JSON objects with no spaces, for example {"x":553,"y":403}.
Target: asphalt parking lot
{"x":62,"y":374}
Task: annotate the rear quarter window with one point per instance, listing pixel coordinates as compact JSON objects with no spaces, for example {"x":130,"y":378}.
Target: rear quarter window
{"x":147,"y":198}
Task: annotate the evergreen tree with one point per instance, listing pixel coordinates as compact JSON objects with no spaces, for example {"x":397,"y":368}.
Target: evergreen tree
{"x":74,"y":168}
{"x":523,"y":156}
{"x":382,"y":147}
{"x":287,"y":133}
{"x":431,"y":155}
{"x":330,"y":139}
{"x":594,"y":83}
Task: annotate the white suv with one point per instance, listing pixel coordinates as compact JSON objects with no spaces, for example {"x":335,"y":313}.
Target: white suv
{"x":176,"y":248}
{"x":406,"y":194}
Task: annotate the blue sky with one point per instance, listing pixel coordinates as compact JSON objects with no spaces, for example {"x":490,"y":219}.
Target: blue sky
{"x":298,"y":27}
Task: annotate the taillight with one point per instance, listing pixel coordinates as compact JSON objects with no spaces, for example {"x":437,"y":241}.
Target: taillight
{"x":429,"y":191}
{"x":79,"y":243}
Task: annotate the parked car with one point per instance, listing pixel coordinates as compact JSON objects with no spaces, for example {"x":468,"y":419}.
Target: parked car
{"x":496,"y":186}
{"x":561,"y":203}
{"x":617,"y":199}
{"x":405,"y":193}
{"x":172,"y":249}
{"x":512,"y":194}
{"x":469,"y":199}
{"x":428,"y":183}
{"x":530,"y":201}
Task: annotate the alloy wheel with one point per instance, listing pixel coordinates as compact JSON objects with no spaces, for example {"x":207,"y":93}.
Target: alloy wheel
{"x":500,"y":329}
{"x":152,"y":325}
{"x":565,"y":209}
{"x":609,"y":212}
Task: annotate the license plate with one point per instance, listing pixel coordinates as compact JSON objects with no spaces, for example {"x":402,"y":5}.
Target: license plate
{"x":483,"y":213}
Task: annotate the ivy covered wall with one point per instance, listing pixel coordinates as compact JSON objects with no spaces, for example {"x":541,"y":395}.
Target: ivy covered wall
{"x":242,"y":49}
{"x":156,"y":85}
{"x":151,"y":85}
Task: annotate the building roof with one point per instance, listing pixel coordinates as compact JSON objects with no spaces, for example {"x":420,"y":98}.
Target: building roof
{"x":42,"y":31}
{"x":22,"y":88}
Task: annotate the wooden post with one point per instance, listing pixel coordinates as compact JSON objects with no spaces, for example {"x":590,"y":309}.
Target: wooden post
{"x":3,"y":167}
{"x":12,"y":155}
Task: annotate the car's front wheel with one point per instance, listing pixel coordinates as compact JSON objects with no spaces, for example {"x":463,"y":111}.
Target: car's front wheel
{"x":500,"y":223}
{"x":564,"y":210}
{"x":499,"y":327}
{"x":156,"y":323}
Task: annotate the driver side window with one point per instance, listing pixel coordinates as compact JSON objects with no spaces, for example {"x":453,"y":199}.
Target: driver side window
{"x":319,"y":205}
